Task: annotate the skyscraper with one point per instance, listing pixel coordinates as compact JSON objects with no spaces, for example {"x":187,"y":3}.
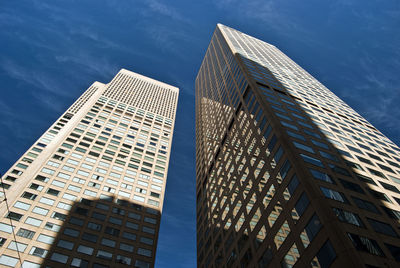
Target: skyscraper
{"x":89,"y":192}
{"x":288,"y":175}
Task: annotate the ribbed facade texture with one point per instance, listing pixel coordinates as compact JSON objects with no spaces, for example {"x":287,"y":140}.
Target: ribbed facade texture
{"x":288,"y":175}
{"x":89,"y":192}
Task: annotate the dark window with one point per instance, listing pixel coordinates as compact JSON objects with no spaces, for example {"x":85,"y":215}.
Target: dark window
{"x":81,"y":211}
{"x":394,"y":214}
{"x":129,"y":236}
{"x":382,"y":227}
{"x":339,"y":170}
{"x":311,"y":160}
{"x":332,"y":194}
{"x":389,"y":187}
{"x":326,"y":255}
{"x":98,"y":216}
{"x":89,"y":237}
{"x":94,"y":226}
{"x":76,"y":221}
{"x":352,"y":186}
{"x":71,"y":232}
{"x":348,"y":217}
{"x":365,"y":179}
{"x":293,"y":184}
{"x":111,"y":231}
{"x":321,"y":175}
{"x":29,"y":196}
{"x":25,"y":233}
{"x":377,"y":173}
{"x":59,"y":216}
{"x":313,"y":227}
{"x":14,"y":216}
{"x":395,"y":251}
{"x":363,"y":204}
{"x":52,"y":192}
{"x":365,"y":244}
{"x":379,"y":195}
{"x":302,"y":204}
{"x":265,"y":258}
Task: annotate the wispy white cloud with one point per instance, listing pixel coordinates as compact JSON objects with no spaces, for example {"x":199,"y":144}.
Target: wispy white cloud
{"x":165,"y":10}
{"x":90,"y":63}
{"x":269,"y":12}
{"x":34,"y":77}
{"x":8,"y":17}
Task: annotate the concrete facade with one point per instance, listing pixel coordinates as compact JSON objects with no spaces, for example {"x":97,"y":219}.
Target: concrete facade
{"x":89,"y":192}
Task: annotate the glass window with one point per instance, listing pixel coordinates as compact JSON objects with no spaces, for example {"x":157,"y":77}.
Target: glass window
{"x":76,"y":262}
{"x":108,"y":242}
{"x":8,"y":261}
{"x":311,"y":160}
{"x":89,"y":237}
{"x":331,"y":194}
{"x":111,"y":231}
{"x":123,"y":260}
{"x":126,"y":247}
{"x":129,"y":236}
{"x":352,"y":186}
{"x":22,"y":205}
{"x":395,"y":251}
{"x":71,"y":232}
{"x":46,"y":201}
{"x":59,"y":216}
{"x":14,"y":216}
{"x":39,"y":252}
{"x":348,"y":217}
{"x":16,"y":245}
{"x":321,"y":175}
{"x":33,"y":221}
{"x":40,"y":211}
{"x":389,"y":187}
{"x":45,"y":239}
{"x":94,"y":226}
{"x":102,"y":254}
{"x":85,"y":250}
{"x":365,"y":244}
{"x":303,"y":147}
{"x":326,"y":255}
{"x":144,"y":252}
{"x":146,"y":240}
{"x":363,"y":204}
{"x":302,"y":204}
{"x":379,"y":195}
{"x":65,"y":244}
{"x":52,"y":226}
{"x":25,"y":233}
{"x":313,"y":226}
{"x":76,"y":221}
{"x":52,"y":192}
{"x":382,"y":227}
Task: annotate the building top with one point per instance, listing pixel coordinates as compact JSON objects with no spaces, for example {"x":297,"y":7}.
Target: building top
{"x":148,"y":79}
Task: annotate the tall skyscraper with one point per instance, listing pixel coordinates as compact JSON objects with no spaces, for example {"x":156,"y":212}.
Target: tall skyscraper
{"x":89,"y":192}
{"x":288,"y":175}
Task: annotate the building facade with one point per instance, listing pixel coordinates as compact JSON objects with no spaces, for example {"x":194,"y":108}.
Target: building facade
{"x":288,"y":175}
{"x":89,"y":192}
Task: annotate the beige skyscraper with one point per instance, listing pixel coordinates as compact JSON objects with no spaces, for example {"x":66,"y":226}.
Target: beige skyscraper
{"x":288,"y":175}
{"x":89,"y":192}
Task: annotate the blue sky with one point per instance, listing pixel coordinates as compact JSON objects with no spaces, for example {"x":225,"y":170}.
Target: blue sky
{"x":51,"y":51}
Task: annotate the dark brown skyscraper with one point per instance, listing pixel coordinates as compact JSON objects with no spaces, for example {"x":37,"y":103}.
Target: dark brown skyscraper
{"x":288,"y":175}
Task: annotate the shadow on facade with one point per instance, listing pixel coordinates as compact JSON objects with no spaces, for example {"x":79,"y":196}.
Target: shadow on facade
{"x":260,"y":206}
{"x":104,"y":233}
